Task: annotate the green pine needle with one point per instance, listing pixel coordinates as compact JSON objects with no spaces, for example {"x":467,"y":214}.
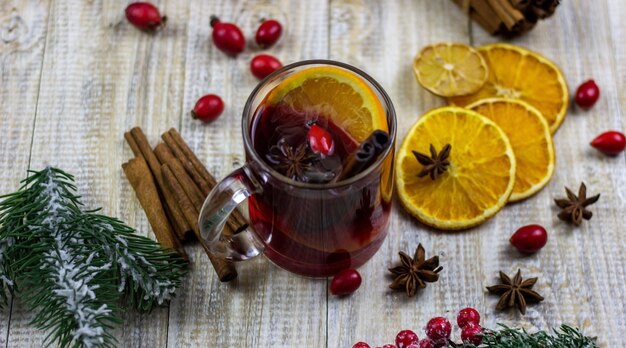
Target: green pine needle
{"x":506,"y":337}
{"x":73,"y":267}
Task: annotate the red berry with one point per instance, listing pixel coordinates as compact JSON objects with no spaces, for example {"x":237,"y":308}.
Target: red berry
{"x":405,"y":338}
{"x":426,"y":343}
{"x":320,"y":140}
{"x":263,"y":65}
{"x":208,"y":108}
{"x":227,"y":37}
{"x":361,"y":345}
{"x":587,"y":94}
{"x":144,"y":15}
{"x":268,"y":33}
{"x":388,"y":346}
{"x":467,"y":316}
{"x":438,"y":328}
{"x":529,"y":239}
{"x":345,"y":282}
{"x":471,"y":334}
{"x":610,"y":143}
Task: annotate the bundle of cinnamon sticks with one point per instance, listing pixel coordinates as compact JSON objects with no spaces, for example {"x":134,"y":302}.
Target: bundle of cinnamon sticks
{"x":508,"y":17}
{"x":171,"y":184}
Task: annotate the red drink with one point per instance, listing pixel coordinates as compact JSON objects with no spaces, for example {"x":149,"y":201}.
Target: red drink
{"x":319,"y":200}
{"x":312,"y":232}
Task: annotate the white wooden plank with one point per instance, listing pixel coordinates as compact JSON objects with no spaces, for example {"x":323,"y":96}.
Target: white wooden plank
{"x":100,"y":77}
{"x":383,"y":38}
{"x":23,"y":29}
{"x":578,"y":268}
{"x":266,"y":306}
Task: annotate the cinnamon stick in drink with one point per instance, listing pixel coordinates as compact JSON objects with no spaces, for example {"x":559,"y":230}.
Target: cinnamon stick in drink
{"x":365,"y":155}
{"x":140,"y":178}
{"x":225,"y":269}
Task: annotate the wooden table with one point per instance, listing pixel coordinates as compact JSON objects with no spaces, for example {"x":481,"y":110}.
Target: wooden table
{"x":75,"y":75}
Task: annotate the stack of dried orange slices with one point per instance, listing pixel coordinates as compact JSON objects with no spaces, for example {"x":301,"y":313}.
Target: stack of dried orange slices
{"x":459,"y":165}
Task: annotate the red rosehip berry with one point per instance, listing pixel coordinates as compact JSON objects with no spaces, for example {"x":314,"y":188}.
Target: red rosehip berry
{"x":144,"y":16}
{"x":471,"y":333}
{"x":426,"y":343}
{"x":405,"y":338}
{"x":529,"y":239}
{"x":361,"y":345}
{"x":438,"y":328}
{"x":208,"y":108}
{"x":320,"y":140}
{"x":610,"y":143}
{"x":587,"y":94}
{"x":345,"y":282}
{"x":268,"y":33}
{"x":467,"y":316}
{"x":227,"y":37}
{"x":263,"y":65}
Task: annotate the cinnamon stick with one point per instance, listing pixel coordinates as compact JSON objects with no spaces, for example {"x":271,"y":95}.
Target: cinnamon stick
{"x":481,"y":12}
{"x":511,"y":17}
{"x":237,"y":221}
{"x":192,"y":157}
{"x":365,"y":155}
{"x":140,"y":143}
{"x":165,"y":156}
{"x":225,"y":269}
{"x":204,"y":185}
{"x":140,"y":178}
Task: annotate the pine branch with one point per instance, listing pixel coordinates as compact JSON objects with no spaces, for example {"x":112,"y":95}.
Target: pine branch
{"x":73,"y":267}
{"x":506,"y":337}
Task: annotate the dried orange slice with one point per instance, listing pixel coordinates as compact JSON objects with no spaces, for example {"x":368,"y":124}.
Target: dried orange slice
{"x":450,"y":69}
{"x":530,"y":138}
{"x":476,"y":184}
{"x":346,"y":98}
{"x":518,"y":73}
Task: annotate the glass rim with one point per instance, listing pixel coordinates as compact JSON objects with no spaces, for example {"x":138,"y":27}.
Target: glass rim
{"x":248,"y":113}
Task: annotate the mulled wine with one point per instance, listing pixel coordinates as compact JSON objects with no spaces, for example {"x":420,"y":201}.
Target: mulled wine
{"x":318,"y":178}
{"x":312,"y":231}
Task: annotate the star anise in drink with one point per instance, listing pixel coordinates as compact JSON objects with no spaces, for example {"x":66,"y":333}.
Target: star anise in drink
{"x":574,"y":208}
{"x":436,"y":164}
{"x":292,"y":162}
{"x":515,"y":292}
{"x":414,"y":273}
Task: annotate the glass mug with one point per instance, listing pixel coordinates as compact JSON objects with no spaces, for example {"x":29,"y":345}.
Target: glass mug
{"x":314,"y":230}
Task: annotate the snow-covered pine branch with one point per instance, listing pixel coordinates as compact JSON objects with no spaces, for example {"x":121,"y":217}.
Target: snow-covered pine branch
{"x":72,"y":267}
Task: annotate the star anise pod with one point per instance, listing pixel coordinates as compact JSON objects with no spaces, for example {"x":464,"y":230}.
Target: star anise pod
{"x":436,"y":164}
{"x":293,"y":163}
{"x":415,"y":272}
{"x":573,"y":208}
{"x":515,"y":291}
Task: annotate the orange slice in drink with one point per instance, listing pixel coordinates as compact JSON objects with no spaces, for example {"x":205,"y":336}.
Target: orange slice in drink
{"x":450,"y":69}
{"x":518,"y":73}
{"x":477,"y":182}
{"x":342,"y":96}
{"x":530,"y":137}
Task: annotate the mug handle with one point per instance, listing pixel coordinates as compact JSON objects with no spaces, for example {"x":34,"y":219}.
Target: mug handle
{"x":220,"y":203}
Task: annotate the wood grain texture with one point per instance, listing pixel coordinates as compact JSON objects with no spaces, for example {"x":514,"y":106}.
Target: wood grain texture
{"x":23,"y":27}
{"x":373,"y":35}
{"x":75,"y":75}
{"x":101,"y":76}
{"x":262,"y":307}
{"x":580,"y":268}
